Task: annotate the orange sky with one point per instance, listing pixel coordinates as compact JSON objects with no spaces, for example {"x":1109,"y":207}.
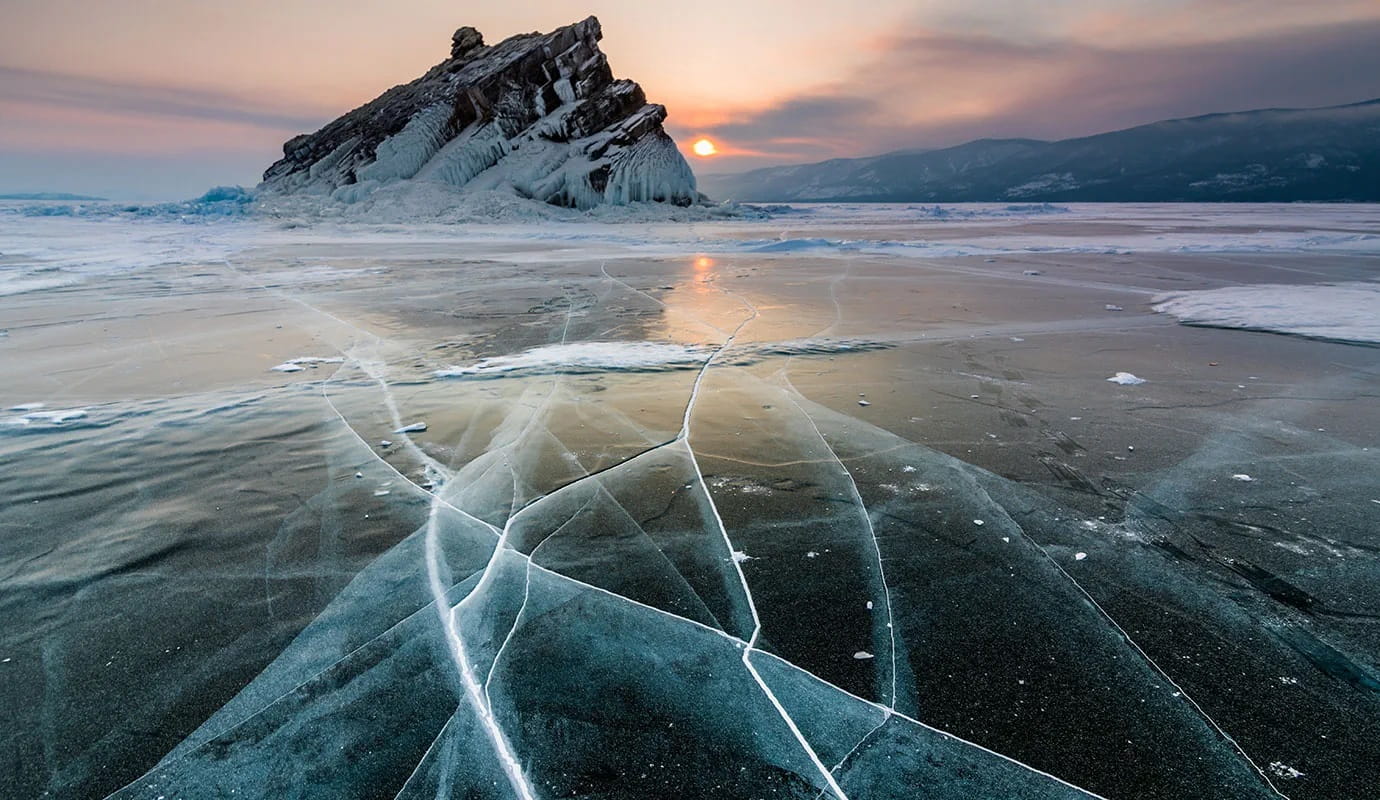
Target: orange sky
{"x":221,"y":85}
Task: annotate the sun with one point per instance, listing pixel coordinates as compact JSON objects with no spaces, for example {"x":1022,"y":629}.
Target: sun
{"x":704,"y":147}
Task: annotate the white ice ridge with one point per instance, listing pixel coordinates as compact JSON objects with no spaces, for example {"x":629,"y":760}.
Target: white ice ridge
{"x":582,"y":357}
{"x":1348,"y":312}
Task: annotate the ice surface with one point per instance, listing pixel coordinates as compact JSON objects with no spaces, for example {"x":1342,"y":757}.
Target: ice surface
{"x":1348,"y":312}
{"x":648,"y":542}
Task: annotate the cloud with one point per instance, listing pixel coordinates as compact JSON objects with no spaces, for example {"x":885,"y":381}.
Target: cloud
{"x":931,"y":88}
{"x":73,"y":92}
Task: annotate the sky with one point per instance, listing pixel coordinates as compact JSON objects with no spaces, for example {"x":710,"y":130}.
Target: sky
{"x":160,"y":99}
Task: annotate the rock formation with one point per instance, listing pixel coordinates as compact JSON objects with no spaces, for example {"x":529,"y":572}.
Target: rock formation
{"x":537,"y":114}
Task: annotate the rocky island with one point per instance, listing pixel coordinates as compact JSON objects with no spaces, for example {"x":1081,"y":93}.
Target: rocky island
{"x":538,"y":115}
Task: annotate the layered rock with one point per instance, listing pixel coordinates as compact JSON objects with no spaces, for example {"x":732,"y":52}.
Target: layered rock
{"x":538,"y":114}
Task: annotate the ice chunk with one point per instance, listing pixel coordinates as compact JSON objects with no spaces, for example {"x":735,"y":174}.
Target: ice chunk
{"x":1126,"y":379}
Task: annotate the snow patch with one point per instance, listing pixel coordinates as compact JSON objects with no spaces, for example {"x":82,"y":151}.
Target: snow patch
{"x":299,"y":364}
{"x":1126,"y":379}
{"x":584,"y":358}
{"x":43,"y":419}
{"x":1339,"y":312}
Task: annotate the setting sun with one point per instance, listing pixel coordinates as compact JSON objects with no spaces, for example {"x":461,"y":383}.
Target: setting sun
{"x":704,"y":147}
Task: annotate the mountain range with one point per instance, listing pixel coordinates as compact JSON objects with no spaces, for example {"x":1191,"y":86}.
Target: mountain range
{"x":1270,"y":155}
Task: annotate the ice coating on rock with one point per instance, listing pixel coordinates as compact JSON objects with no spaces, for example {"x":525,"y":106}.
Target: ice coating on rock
{"x":538,"y":115}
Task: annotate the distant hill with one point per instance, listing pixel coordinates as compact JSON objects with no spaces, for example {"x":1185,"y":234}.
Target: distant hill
{"x":1272,"y":155}
{"x":47,"y":196}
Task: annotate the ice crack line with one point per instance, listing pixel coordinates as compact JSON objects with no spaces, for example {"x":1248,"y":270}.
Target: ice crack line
{"x":872,"y":534}
{"x":742,"y":579}
{"x":473,"y":690}
{"x":1134,"y":645}
{"x":476,"y":691}
{"x":789,"y":665}
{"x":684,"y":436}
{"x":369,"y":367}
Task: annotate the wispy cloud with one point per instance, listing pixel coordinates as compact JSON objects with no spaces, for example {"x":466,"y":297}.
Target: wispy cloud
{"x":931,"y":88}
{"x":80,"y":93}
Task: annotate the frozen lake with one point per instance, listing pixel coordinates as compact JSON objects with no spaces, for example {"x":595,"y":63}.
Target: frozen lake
{"x":865,"y":502}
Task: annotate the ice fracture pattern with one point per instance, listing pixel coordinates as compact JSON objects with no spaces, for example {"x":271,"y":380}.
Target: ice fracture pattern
{"x":631,"y":629}
{"x":607,"y":536}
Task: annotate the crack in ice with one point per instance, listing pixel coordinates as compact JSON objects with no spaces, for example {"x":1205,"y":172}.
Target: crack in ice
{"x":872,"y":534}
{"x":1105,"y":615}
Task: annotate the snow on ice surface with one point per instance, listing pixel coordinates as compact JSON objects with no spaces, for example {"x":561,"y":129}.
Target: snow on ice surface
{"x":1348,"y":312}
{"x":584,"y":357}
{"x":304,"y":362}
{"x":42,"y":419}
